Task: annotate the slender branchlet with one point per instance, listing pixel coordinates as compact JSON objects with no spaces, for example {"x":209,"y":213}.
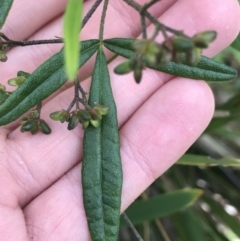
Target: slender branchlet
{"x":161,"y":27}
{"x":9,"y":43}
{"x":143,"y":18}
{"x":137,"y":235}
{"x":103,"y":19}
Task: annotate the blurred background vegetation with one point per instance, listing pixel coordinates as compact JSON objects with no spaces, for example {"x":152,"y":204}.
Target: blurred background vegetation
{"x":198,"y":199}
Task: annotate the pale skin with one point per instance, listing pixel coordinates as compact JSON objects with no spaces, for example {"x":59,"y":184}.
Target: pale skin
{"x":40,"y":180}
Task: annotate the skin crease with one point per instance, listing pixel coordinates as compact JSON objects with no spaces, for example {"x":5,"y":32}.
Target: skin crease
{"x":40,"y":182}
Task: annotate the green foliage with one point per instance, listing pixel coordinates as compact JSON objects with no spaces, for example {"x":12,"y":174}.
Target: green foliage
{"x":72,"y":26}
{"x":101,"y":160}
{"x":201,"y":160}
{"x":236,"y":43}
{"x":5,"y":6}
{"x":44,"y":81}
{"x":189,"y":226}
{"x":161,"y":205}
{"x":207,"y":69}
{"x":101,"y":169}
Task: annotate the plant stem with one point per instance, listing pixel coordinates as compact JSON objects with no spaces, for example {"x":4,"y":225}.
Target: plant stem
{"x":143,"y":20}
{"x":149,"y":4}
{"x":90,"y":13}
{"x":76,"y":94}
{"x":103,"y":20}
{"x":144,"y":28}
{"x":39,"y":108}
{"x":132,"y":227}
{"x":162,"y":230}
{"x":159,"y":25}
{"x":11,"y":43}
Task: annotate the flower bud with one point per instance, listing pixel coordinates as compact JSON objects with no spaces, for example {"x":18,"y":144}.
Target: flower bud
{"x":95,"y":123}
{"x":16,"y":81}
{"x":137,"y":63}
{"x":181,"y":44}
{"x":138,"y":75}
{"x":85,"y":125}
{"x":95,"y":114}
{"x":73,"y":122}
{"x":203,"y":39}
{"x":123,"y":68}
{"x":2,"y":87}
{"x":83,"y":116}
{"x":147,"y":47}
{"x":103,"y":109}
{"x":61,"y":116}
{"x":193,"y":57}
{"x":44,"y":127}
{"x":34,"y":114}
{"x":23,"y":73}
{"x":30,"y":125}
{"x":23,"y":120}
{"x":3,"y":57}
{"x":164,"y":57}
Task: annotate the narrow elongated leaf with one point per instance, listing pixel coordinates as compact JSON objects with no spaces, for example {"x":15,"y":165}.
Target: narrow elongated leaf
{"x":161,"y":205}
{"x":218,"y":122}
{"x":199,"y":160}
{"x":236,"y":43}
{"x":101,"y":170}
{"x":71,"y":28}
{"x":218,"y":210}
{"x":189,"y":226}
{"x":5,"y":6}
{"x":44,"y":81}
{"x":207,"y":69}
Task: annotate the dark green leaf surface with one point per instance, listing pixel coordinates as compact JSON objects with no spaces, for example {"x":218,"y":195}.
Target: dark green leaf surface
{"x":101,"y":170}
{"x":207,"y":69}
{"x":44,"y":81}
{"x":5,"y":6}
{"x":189,"y":226}
{"x":161,"y":205}
{"x":236,"y":43}
{"x":199,"y":160}
{"x":230,"y":221}
{"x":218,"y":122}
{"x":71,"y":28}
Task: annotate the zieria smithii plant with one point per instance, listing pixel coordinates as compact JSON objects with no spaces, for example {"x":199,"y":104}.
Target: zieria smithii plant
{"x":177,"y":54}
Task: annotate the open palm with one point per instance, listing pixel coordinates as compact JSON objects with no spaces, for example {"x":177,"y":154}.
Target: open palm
{"x":40,"y":182}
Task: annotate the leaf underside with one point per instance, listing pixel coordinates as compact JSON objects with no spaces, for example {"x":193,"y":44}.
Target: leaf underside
{"x":101,"y":170}
{"x":5,"y":6}
{"x":44,"y":81}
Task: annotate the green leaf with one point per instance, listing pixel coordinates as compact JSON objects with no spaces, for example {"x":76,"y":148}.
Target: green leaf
{"x":218,"y":122}
{"x":71,"y":28}
{"x":199,"y":160}
{"x":189,"y":226}
{"x":161,"y":205}
{"x":44,"y":81}
{"x":101,"y":170}
{"x":5,"y":6}
{"x":236,"y":43}
{"x":218,"y":210}
{"x":207,"y":69}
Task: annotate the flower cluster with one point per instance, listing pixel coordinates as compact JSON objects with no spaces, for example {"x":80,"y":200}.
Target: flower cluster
{"x":176,"y":49}
{"x":32,"y":123}
{"x":85,"y":117}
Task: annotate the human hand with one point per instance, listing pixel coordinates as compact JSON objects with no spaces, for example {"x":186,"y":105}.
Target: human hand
{"x":40,"y":182}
